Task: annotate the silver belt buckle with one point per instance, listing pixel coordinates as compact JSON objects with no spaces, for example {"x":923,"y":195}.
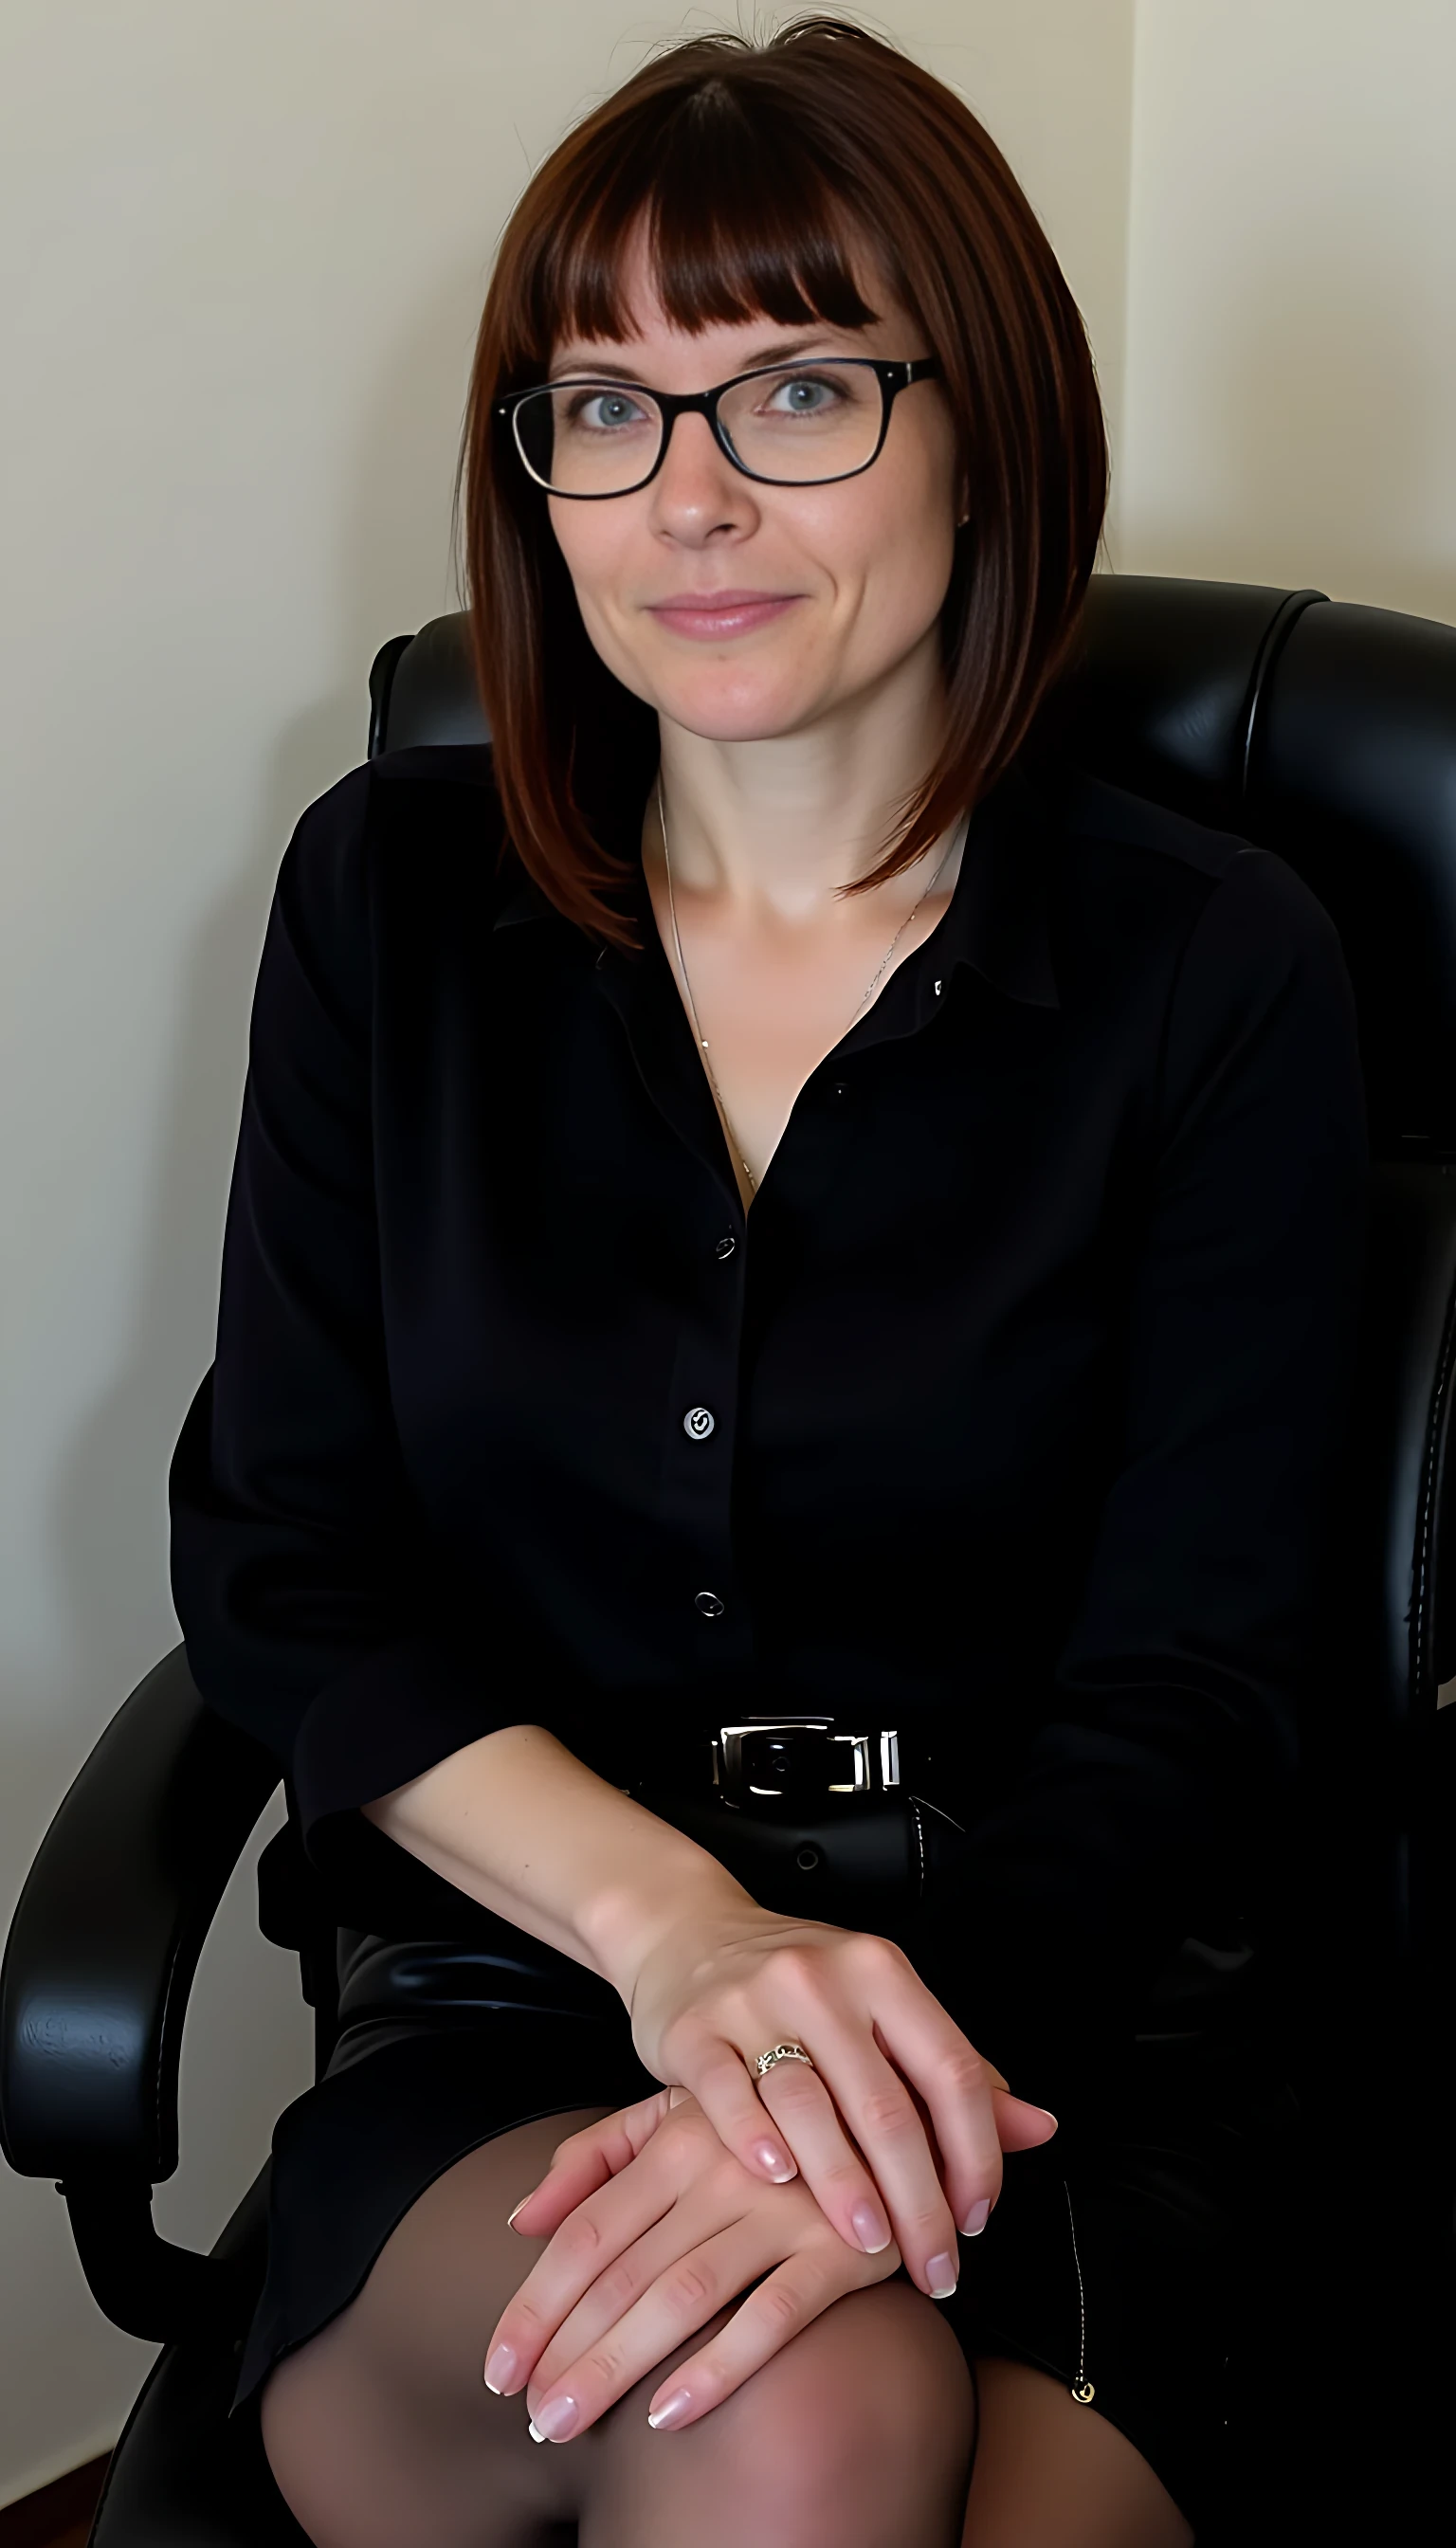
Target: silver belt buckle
{"x":762,"y":1757}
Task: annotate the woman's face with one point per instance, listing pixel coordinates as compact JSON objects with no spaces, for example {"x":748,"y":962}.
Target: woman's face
{"x":861,"y":565}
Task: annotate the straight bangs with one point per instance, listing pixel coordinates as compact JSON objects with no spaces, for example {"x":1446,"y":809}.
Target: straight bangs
{"x":739,"y":220}
{"x":782,"y":181}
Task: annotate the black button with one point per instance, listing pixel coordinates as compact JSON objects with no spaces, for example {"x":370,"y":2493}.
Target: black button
{"x":726,"y":1245}
{"x":709,"y":1604}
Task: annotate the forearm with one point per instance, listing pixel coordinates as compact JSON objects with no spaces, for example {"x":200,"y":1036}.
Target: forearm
{"x":521,"y":1824}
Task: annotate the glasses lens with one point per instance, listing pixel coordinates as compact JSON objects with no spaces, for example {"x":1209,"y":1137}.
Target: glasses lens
{"x":588,"y":437}
{"x":804,"y":421}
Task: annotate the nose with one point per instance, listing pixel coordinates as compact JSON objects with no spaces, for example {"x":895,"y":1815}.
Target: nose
{"x":698,"y":487}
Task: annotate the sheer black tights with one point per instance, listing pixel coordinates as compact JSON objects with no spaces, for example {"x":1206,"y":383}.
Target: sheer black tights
{"x":380,"y":2430}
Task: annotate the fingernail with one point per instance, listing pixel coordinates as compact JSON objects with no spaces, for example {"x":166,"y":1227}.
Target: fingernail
{"x":520,"y":2206}
{"x":555,"y":2419}
{"x":500,"y":2368}
{"x":940,"y":2273}
{"x":1041,"y":2110}
{"x":672,"y":2411}
{"x":869,"y":2228}
{"x":774,"y":2160}
{"x":976,"y":2218}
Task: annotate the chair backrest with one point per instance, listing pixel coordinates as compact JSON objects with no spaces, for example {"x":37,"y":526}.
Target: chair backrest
{"x":1327,"y":732}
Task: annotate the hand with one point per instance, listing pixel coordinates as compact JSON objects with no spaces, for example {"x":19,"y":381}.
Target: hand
{"x":894,"y":2078}
{"x":676,"y":2233}
{"x":586,"y":2159}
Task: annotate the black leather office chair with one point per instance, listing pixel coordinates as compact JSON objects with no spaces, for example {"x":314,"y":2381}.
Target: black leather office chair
{"x":1327,"y":732}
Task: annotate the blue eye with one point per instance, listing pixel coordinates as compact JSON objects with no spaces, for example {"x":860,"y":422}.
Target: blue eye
{"x":614,"y":409}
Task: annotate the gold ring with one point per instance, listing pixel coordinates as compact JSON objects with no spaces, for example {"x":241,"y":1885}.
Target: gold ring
{"x":781,"y":2053}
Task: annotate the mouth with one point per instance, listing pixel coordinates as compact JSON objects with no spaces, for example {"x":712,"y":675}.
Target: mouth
{"x":720,"y":614}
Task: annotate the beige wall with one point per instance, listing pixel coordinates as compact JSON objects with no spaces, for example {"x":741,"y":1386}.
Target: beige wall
{"x":243,"y":248}
{"x":1289,"y":410}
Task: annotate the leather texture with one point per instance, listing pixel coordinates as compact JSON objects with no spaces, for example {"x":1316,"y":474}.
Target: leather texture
{"x":1323,"y":730}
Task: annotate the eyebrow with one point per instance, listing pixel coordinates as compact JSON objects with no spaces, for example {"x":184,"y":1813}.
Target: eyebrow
{"x":787,"y":352}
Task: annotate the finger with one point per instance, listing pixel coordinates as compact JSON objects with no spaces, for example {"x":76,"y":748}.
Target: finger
{"x":655,"y":2269}
{"x":782,"y":2305}
{"x":586,"y":2160}
{"x":837,"y":2174}
{"x":862,"y":2150}
{"x":1020,"y":2126}
{"x":924,"y":2044}
{"x":593,"y":2240}
{"x":718,"y":2077}
{"x":677,"y":2303}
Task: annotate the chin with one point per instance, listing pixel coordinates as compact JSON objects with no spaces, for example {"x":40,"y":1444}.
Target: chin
{"x":723,"y":710}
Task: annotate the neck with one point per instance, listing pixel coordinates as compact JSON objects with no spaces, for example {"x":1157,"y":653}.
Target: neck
{"x":768,"y":829}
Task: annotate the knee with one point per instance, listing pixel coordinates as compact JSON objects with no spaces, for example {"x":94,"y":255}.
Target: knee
{"x":877,"y":2392}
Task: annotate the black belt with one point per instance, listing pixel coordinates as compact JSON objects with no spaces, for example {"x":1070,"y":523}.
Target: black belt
{"x":775,"y":1763}
{"x":816,"y":1815}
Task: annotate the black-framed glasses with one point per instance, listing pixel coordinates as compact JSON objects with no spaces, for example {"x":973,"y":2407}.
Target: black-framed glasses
{"x":789,"y":424}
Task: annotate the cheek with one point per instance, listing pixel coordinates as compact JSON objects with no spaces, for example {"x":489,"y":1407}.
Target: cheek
{"x":895,"y":547}
{"x":598,"y":559}
{"x":903,"y":578}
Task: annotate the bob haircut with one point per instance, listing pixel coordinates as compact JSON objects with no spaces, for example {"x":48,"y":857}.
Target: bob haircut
{"x":764,"y":172}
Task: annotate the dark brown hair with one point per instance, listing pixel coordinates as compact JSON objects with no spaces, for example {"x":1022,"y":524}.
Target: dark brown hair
{"x":763,"y":172}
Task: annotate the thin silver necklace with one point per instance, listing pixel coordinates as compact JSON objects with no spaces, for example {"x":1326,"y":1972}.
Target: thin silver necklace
{"x":688,"y":986}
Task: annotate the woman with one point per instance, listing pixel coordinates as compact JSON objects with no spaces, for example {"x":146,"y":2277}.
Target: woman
{"x":522,"y":1471}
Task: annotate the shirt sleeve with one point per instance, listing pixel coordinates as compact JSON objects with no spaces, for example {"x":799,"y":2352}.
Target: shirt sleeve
{"x":1162,"y":1765}
{"x":300,"y":1571}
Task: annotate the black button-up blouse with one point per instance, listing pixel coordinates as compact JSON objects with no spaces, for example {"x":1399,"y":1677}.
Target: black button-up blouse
{"x":1012,"y":1403}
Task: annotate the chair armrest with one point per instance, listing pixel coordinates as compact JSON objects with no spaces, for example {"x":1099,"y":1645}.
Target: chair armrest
{"x":93,"y":1988}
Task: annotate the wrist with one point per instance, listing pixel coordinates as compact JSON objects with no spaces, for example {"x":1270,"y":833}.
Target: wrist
{"x":624,"y":1922}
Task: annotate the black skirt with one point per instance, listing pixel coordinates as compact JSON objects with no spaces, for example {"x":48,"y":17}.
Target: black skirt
{"x":1126,"y":2256}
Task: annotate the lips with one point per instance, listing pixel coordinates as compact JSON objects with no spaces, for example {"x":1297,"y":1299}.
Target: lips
{"x":720,"y":614}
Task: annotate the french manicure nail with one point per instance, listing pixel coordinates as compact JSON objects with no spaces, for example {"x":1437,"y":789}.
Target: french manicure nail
{"x":976,"y":2218}
{"x":673,"y":2409}
{"x":555,"y":2419}
{"x":870,"y":2230}
{"x":768,"y":2157}
{"x":500,"y":2368}
{"x":941,"y":2274}
{"x":536,"y":2436}
{"x":520,"y":2206}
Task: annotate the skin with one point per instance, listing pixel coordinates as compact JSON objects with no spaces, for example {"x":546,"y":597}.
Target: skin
{"x":658,"y":2226}
{"x":788,"y":747}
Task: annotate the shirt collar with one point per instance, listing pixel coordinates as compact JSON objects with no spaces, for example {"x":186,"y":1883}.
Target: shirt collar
{"x":997,"y":920}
